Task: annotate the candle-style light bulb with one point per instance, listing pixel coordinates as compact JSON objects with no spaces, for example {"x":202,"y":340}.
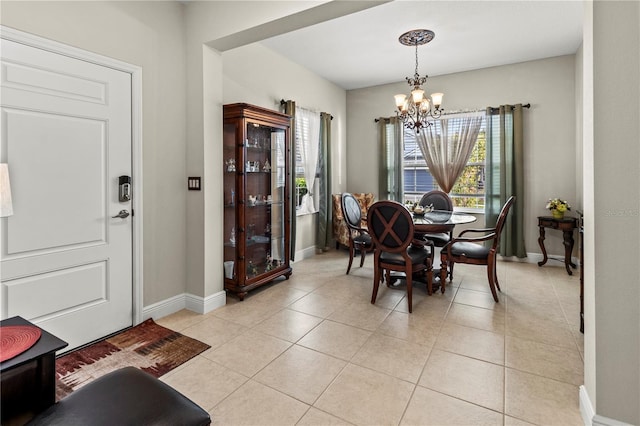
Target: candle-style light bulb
{"x":437,"y":99}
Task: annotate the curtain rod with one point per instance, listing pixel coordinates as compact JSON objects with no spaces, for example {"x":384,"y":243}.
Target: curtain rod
{"x":464,"y":111}
{"x":283,"y":102}
{"x":523,"y":106}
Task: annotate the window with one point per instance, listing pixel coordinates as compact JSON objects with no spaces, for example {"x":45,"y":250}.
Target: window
{"x":417,"y":179}
{"x":307,"y":139}
{"x":391,"y":160}
{"x":467,"y":193}
{"x":301,"y":183}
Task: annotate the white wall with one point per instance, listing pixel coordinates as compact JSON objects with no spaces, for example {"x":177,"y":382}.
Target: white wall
{"x":549,"y":128}
{"x":152,"y":38}
{"x":616,"y":210}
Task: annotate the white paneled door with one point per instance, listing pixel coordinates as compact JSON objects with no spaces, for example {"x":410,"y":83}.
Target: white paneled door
{"x":66,"y":135}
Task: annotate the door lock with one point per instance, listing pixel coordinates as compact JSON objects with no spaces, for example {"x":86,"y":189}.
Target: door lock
{"x":124,"y":189}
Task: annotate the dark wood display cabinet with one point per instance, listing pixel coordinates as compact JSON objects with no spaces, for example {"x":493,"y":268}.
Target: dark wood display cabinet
{"x":256,"y":197}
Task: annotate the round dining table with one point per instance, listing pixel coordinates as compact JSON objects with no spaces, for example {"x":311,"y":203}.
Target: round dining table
{"x":440,"y":220}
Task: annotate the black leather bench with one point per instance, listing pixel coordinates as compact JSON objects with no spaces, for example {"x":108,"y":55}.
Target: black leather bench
{"x":127,"y":396}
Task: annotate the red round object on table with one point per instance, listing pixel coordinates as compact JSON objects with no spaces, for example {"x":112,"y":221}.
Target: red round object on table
{"x":15,"y":339}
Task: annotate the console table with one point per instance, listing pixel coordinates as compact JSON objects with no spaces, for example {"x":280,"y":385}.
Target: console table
{"x":566,"y":225}
{"x":28,"y":380}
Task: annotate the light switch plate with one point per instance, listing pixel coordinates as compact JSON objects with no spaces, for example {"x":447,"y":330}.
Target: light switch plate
{"x":193,"y":183}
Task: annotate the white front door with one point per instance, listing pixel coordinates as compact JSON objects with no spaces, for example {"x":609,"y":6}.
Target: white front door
{"x":66,"y":263}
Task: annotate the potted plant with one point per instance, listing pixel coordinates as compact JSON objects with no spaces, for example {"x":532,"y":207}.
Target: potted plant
{"x":558,"y":207}
{"x":301,"y":188}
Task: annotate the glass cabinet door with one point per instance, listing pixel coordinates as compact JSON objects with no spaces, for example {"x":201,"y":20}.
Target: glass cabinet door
{"x":264,"y":195}
{"x":230,"y":200}
{"x":278,"y":176}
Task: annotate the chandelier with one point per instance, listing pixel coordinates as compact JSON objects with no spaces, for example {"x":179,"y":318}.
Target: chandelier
{"x":416,"y":109}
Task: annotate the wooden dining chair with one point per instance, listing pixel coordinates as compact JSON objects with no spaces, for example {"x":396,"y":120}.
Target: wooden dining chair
{"x":392,"y":231}
{"x":476,"y":251}
{"x":438,"y":200}
{"x":359,"y":238}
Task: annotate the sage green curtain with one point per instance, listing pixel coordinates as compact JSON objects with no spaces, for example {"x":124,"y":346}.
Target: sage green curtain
{"x":505,"y":175}
{"x":324,"y":234}
{"x":390,"y":166}
{"x":290,"y":109}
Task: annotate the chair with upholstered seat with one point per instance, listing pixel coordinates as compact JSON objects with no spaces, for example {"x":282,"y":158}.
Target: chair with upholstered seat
{"x":438,"y":200}
{"x":359,"y":238}
{"x":392,"y":231}
{"x":476,"y":251}
{"x":339,"y":226}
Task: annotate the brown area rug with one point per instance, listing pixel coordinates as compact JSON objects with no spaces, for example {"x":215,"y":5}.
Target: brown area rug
{"x":147,"y":346}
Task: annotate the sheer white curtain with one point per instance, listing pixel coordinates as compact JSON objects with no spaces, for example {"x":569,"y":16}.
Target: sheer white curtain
{"x":447,"y":145}
{"x":308,"y":143}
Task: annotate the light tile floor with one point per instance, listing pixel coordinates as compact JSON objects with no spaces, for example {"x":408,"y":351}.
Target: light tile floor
{"x":313,"y":350}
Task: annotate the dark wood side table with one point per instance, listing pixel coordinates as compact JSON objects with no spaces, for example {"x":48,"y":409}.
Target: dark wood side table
{"x":566,"y":225}
{"x":28,"y":380}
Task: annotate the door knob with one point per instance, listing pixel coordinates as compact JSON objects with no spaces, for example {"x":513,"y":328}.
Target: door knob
{"x":122,"y":214}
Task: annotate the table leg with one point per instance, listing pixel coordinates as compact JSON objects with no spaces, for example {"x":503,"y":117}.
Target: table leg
{"x":443,"y":273}
{"x":568,"y":249}
{"x":541,"y":243}
{"x":45,"y":394}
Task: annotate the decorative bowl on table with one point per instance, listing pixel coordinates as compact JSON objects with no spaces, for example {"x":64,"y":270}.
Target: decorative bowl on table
{"x":418,"y":211}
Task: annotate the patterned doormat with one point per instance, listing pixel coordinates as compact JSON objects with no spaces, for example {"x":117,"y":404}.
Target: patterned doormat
{"x":147,"y":346}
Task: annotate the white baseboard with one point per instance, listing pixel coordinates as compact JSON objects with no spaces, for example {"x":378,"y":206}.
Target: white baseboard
{"x":589,"y":416}
{"x":200,"y":305}
{"x":206,"y":304}
{"x":586,"y":409}
{"x":605,"y":421}
{"x":305,"y":253}
{"x":163,"y":308}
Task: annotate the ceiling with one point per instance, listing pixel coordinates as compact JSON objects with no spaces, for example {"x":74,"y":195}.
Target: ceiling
{"x":362,"y":49}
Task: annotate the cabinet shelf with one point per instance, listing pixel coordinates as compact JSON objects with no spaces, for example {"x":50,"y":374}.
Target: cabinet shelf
{"x":267,"y":204}
{"x":255,"y":137}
